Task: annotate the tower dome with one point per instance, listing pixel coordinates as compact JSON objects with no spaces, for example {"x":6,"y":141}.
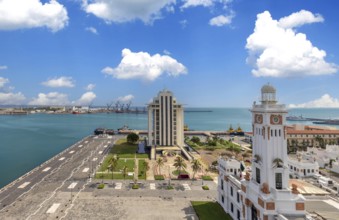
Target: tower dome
{"x":268,"y":94}
{"x":268,"y":89}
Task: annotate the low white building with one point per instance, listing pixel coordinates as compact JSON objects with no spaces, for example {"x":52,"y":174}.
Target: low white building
{"x":229,"y":190}
{"x":322,"y":156}
{"x":300,"y":168}
{"x":229,"y":166}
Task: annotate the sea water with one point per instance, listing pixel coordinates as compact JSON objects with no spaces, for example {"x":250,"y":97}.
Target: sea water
{"x":27,"y":141}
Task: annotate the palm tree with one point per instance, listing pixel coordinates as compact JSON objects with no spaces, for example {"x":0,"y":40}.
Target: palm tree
{"x":160,"y":163}
{"x":277,"y":162}
{"x":320,"y":141}
{"x":145,"y":165}
{"x":124,"y":171}
{"x":113,"y":163}
{"x":179,"y":163}
{"x":196,"y":166}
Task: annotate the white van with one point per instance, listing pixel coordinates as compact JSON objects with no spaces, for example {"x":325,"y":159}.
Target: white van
{"x":325,"y":181}
{"x":316,"y":176}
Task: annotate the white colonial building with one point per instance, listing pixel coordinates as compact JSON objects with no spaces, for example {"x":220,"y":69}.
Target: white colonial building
{"x":300,"y":168}
{"x":264,"y":194}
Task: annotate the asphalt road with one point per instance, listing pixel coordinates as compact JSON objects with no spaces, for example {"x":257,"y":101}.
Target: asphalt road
{"x":63,"y":169}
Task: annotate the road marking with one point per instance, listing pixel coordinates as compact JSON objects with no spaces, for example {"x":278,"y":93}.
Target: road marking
{"x":72,"y":185}
{"x":71,"y":152}
{"x":85,"y":170}
{"x":62,"y":158}
{"x":100,"y":152}
{"x":105,"y":146}
{"x":24,"y":185}
{"x":80,"y":146}
{"x":152,"y":185}
{"x":46,"y":169}
{"x":53,"y":208}
{"x":118,"y":186}
{"x":94,"y":159}
{"x":86,"y":142}
{"x":186,"y":186}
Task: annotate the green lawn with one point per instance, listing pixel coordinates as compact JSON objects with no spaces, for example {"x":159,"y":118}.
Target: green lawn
{"x":209,"y":211}
{"x":141,"y":170}
{"x":109,"y":176}
{"x":126,"y":150}
{"x":121,"y":163}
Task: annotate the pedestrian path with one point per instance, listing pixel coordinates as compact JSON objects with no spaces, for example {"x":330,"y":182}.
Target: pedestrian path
{"x":186,"y":186}
{"x":152,"y":186}
{"x":118,"y":186}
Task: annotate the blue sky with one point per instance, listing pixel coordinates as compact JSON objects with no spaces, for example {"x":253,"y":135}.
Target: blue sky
{"x":210,"y":53}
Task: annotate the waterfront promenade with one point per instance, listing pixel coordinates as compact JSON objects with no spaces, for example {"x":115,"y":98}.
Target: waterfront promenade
{"x":63,"y":188}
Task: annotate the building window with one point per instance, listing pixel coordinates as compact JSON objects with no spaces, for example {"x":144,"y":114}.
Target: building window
{"x":231,"y":191}
{"x":222,"y":184}
{"x":238,"y":197}
{"x":279,"y":133}
{"x":238,"y":214}
{"x":222,"y":199}
{"x":257,"y":174}
{"x":232,"y":208}
{"x":278,"y":180}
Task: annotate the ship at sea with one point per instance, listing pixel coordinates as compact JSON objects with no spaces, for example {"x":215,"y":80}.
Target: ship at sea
{"x":296,"y":118}
{"x":327,"y":122}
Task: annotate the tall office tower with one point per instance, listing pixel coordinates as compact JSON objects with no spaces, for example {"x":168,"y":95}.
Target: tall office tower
{"x":165,"y":121}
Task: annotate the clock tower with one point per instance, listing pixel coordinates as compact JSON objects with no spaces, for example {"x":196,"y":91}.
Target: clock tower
{"x":266,"y":190}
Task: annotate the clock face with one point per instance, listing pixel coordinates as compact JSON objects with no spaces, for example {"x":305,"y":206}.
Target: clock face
{"x":276,"y":119}
{"x":258,"y":119}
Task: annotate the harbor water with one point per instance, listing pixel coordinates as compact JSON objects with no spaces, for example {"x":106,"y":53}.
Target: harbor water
{"x":29,"y":140}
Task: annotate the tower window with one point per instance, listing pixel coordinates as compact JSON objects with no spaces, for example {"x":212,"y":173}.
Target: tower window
{"x":257,"y":174}
{"x":231,"y":191}
{"x":278,"y":180}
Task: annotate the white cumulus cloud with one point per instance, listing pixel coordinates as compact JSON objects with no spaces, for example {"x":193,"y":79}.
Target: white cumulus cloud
{"x":11,"y":98}
{"x":126,"y":98}
{"x":141,"y":65}
{"x":90,"y":87}
{"x":123,"y":11}
{"x":62,"y":81}
{"x":50,"y":99}
{"x":277,"y":50}
{"x":325,"y":101}
{"x":19,"y":14}
{"x":86,"y":99}
{"x":221,"y":20}
{"x":300,"y":18}
{"x":195,"y":3}
{"x":92,"y":30}
{"x":3,"y":82}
